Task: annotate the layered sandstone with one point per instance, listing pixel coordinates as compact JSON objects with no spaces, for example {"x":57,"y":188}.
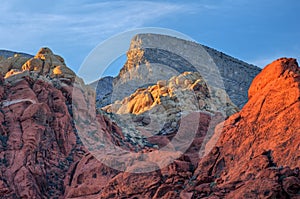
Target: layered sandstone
{"x":37,"y":133}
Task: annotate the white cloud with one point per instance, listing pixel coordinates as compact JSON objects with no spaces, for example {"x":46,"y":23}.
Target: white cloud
{"x":74,"y":28}
{"x":73,"y":20}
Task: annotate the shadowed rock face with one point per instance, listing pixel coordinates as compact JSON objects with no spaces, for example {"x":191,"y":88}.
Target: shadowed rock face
{"x":103,"y":88}
{"x":7,"y":54}
{"x":153,"y":57}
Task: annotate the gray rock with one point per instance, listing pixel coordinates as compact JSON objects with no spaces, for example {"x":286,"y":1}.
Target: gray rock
{"x":103,"y":87}
{"x":7,"y":54}
{"x":154,"y":57}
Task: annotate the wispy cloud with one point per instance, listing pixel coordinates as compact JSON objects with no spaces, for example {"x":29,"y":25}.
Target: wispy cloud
{"x":76,"y":27}
{"x":74,"y":20}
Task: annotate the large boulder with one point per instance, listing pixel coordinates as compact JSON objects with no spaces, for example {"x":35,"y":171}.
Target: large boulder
{"x":258,"y":147}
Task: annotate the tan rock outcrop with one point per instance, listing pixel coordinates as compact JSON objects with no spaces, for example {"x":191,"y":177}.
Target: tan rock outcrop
{"x":47,"y":63}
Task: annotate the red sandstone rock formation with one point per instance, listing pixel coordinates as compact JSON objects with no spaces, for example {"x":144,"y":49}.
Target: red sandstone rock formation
{"x":37,"y":139}
{"x":257,"y":154}
{"x":37,"y":135}
{"x":254,"y":155}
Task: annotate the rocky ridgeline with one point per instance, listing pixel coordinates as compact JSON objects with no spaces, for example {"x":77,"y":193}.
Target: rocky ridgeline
{"x":6,"y":54}
{"x":153,"y":57}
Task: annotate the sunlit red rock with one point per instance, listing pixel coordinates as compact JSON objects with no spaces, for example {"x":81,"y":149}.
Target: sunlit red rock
{"x":259,"y":144}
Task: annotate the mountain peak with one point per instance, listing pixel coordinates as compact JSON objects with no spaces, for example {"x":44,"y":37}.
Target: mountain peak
{"x":154,"y":57}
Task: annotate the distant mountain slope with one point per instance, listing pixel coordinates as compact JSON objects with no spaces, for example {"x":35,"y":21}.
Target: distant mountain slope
{"x":7,"y":53}
{"x":104,"y":87}
{"x":153,"y":57}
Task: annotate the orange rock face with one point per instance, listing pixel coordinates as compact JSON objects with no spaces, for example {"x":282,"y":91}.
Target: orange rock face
{"x":257,"y":155}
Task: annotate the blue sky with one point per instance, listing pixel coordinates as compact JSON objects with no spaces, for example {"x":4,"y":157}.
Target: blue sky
{"x":256,"y":31}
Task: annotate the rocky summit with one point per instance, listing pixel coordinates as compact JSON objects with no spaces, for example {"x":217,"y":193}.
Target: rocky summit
{"x":55,"y":142}
{"x":154,"y":57}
